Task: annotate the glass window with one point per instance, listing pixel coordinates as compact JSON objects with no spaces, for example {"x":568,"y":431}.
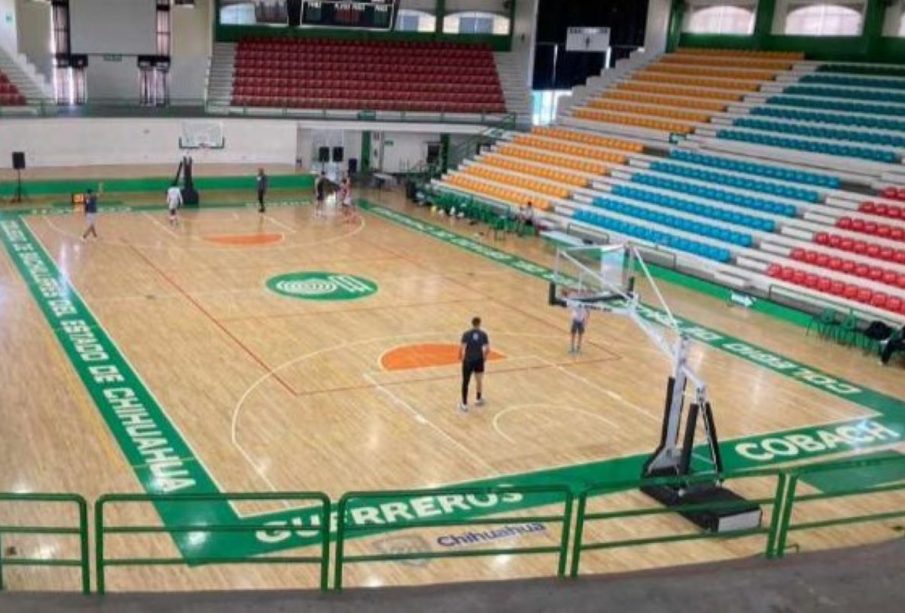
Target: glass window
{"x":723,"y":19}
{"x":825,"y":20}
{"x":544,"y":105}
{"x":475,"y":23}
{"x":238,"y":14}
{"x":902,"y":26}
{"x":408,"y":20}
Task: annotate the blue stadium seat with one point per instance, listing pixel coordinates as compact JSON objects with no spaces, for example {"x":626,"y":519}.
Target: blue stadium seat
{"x":752,"y":168}
{"x":887,"y":140}
{"x":753,"y":185}
{"x":845,"y":93}
{"x":749,"y":202}
{"x":680,"y":223}
{"x":838,"y":105}
{"x":874,"y":155}
{"x":850,"y":81}
{"x":880,"y":123}
{"x":654,"y":236}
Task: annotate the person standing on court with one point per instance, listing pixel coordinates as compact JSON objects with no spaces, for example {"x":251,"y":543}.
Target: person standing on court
{"x":473,"y":353}
{"x":320,"y":194}
{"x":90,"y":214}
{"x":580,"y":316}
{"x":262,"y":189}
{"x":174,"y":201}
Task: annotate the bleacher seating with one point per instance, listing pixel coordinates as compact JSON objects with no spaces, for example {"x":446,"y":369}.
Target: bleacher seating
{"x":761,"y":218}
{"x":354,"y":75}
{"x":9,"y":93}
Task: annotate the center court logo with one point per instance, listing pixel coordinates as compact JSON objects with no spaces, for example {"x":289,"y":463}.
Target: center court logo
{"x":322,"y":286}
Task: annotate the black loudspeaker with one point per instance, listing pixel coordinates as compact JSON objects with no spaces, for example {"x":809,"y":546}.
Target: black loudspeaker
{"x":323,"y":154}
{"x":337,"y":154}
{"x":18,"y":160}
{"x":433,"y":153}
{"x":353,"y":166}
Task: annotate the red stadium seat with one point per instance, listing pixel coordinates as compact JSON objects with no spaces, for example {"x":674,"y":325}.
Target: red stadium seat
{"x":436,"y":76}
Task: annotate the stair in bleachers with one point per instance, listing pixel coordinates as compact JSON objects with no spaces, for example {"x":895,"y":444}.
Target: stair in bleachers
{"x":220,"y":77}
{"x":516,"y":88}
{"x":22,"y":89}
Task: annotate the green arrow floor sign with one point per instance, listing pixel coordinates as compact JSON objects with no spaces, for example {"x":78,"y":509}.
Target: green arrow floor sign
{"x":164,"y":462}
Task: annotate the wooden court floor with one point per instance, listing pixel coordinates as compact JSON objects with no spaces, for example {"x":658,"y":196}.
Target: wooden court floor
{"x":287,"y":352}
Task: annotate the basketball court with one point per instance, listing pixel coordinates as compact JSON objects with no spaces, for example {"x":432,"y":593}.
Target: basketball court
{"x":239,"y":352}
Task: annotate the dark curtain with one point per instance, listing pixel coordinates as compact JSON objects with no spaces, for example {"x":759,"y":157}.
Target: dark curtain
{"x":625,"y":18}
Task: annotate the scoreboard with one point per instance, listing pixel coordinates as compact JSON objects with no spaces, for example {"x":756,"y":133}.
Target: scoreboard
{"x":370,"y":14}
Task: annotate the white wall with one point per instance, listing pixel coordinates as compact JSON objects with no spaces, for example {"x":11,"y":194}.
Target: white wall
{"x":86,"y":142}
{"x":112,"y":79}
{"x":524,"y":34}
{"x":190,"y":49}
{"x":655,"y":32}
{"x":8,"y":38}
{"x":402,"y":150}
{"x":33,"y":24}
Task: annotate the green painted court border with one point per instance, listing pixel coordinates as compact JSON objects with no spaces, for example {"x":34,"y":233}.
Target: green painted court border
{"x":288,"y":528}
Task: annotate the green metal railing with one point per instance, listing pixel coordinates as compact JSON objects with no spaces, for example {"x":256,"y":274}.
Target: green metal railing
{"x":603,"y":489}
{"x":80,"y":531}
{"x":102,"y":530}
{"x":793,"y":498}
{"x":350,"y":522}
{"x":424,"y":172}
{"x":346,"y":529}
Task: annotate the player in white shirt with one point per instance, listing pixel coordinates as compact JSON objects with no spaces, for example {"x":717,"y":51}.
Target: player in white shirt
{"x":580,"y":315}
{"x":174,"y":201}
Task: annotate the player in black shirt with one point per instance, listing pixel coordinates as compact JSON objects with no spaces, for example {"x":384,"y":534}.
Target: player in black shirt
{"x":473,"y":353}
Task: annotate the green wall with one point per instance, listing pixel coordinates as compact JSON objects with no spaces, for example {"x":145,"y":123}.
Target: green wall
{"x":229,"y":34}
{"x":151,"y":184}
{"x":871,"y":46}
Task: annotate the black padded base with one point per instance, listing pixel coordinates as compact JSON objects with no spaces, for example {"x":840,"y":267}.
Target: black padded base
{"x":737,"y":514}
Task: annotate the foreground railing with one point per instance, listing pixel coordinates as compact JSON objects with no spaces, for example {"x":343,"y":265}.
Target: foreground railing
{"x":510,"y":511}
{"x":349,"y":528}
{"x":25,"y":502}
{"x":205,"y":529}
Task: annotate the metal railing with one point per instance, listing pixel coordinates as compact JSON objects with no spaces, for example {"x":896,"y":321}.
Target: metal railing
{"x":102,"y":530}
{"x":793,"y":498}
{"x":583,"y":516}
{"x":346,"y":529}
{"x":80,"y":531}
{"x":354,"y":509}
